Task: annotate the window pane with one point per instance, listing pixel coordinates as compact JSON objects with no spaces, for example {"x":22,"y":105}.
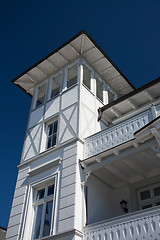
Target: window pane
{"x":86,"y":77}
{"x":55,"y":127}
{"x":50,"y":190}
{"x":156,"y":191}
{"x":99,"y":89}
{"x":147,"y":206}
{"x":37,"y":226}
{"x":56,"y":86}
{"x":50,"y":129}
{"x":47,"y":219}
{"x":41,"y":95}
{"x":110,"y":96}
{"x":145,"y":195}
{"x":49,"y":144}
{"x":40,"y":194}
{"x":72,"y":76}
{"x":53,"y":140}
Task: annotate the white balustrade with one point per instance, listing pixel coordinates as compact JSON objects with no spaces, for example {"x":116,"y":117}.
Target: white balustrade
{"x":136,"y":226}
{"x":115,"y":135}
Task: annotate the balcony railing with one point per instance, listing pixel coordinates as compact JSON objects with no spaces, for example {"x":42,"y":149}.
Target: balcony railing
{"x":135,"y":226}
{"x":115,"y":135}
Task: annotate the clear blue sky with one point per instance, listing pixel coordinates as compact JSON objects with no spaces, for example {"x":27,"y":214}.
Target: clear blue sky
{"x":127,"y":30}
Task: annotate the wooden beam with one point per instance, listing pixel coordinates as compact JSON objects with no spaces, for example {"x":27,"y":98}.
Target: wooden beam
{"x":64,"y":58}
{"x":131,"y":102}
{"x":89,"y":50}
{"x":31,"y":78}
{"x":134,"y":166}
{"x":149,"y":95}
{"x":156,"y":134}
{"x":98,"y":159}
{"x":74,"y":49}
{"x":51,"y":64}
{"x":115,"y":112}
{"x":97,"y":61}
{"x":153,"y":160}
{"x":123,"y":155}
{"x":44,"y":73}
{"x":117,"y":173}
{"x":106,"y":70}
{"x":115,"y":151}
{"x":82,"y":44}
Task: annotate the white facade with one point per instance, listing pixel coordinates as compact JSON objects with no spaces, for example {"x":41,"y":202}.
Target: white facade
{"x":75,"y":170}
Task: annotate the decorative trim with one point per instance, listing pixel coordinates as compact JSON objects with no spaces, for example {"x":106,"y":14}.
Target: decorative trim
{"x":45,"y":167}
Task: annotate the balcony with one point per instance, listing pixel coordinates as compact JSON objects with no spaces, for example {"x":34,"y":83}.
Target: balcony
{"x":117,"y":134}
{"x":144,"y":224}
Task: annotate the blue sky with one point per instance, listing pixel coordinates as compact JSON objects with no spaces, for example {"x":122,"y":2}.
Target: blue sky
{"x":127,"y":30}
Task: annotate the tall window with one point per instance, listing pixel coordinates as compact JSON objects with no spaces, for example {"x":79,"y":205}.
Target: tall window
{"x":72,"y":76}
{"x":99,"y":89}
{"x":43,"y":204}
{"x":56,"y":83}
{"x":149,"y":196}
{"x":41,"y":94}
{"x":52,"y":134}
{"x":86,"y":77}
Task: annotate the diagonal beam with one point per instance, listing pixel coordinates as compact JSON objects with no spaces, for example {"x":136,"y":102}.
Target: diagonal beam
{"x":89,"y":50}
{"x":73,"y":48}
{"x":82,"y":44}
{"x":106,"y":70}
{"x":49,"y":61}
{"x":116,"y":112}
{"x":97,"y":61}
{"x":64,"y":58}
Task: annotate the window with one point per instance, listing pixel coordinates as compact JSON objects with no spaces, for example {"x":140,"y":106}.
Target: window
{"x":86,"y":77}
{"x":56,"y":83}
{"x":41,"y":94}
{"x":72,"y":76}
{"x":52,"y":134}
{"x":43,"y":205}
{"x":110,"y":96}
{"x":149,"y":197}
{"x":99,"y":89}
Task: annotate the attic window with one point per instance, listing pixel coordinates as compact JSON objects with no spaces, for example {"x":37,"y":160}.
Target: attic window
{"x":56,"y":81}
{"x":99,"y":89}
{"x":86,"y":77}
{"x":41,"y":94}
{"x":72,"y":76}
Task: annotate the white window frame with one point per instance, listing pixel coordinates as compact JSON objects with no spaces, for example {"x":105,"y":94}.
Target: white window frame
{"x":35,"y":186}
{"x":36,"y":94}
{"x":51,"y":81}
{"x":103,"y":87}
{"x":47,"y":124}
{"x":91,"y":78}
{"x":66,"y":74}
{"x":152,"y":200}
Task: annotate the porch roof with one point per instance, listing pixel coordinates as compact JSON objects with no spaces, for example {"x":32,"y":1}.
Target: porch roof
{"x":81,"y":44}
{"x":141,"y":97}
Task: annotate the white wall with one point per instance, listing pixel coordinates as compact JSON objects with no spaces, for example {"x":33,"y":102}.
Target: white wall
{"x":104,"y":201}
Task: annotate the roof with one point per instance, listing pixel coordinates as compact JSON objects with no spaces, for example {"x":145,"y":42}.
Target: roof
{"x":81,"y":44}
{"x":136,"y":99}
{"x":5,"y":229}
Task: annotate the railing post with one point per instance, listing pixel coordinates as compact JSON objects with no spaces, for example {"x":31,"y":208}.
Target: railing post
{"x":153,"y":111}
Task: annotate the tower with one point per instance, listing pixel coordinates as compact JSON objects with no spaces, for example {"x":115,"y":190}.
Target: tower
{"x":67,"y":88}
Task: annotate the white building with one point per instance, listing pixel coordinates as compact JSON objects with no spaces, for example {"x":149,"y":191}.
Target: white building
{"x":81,"y":177}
